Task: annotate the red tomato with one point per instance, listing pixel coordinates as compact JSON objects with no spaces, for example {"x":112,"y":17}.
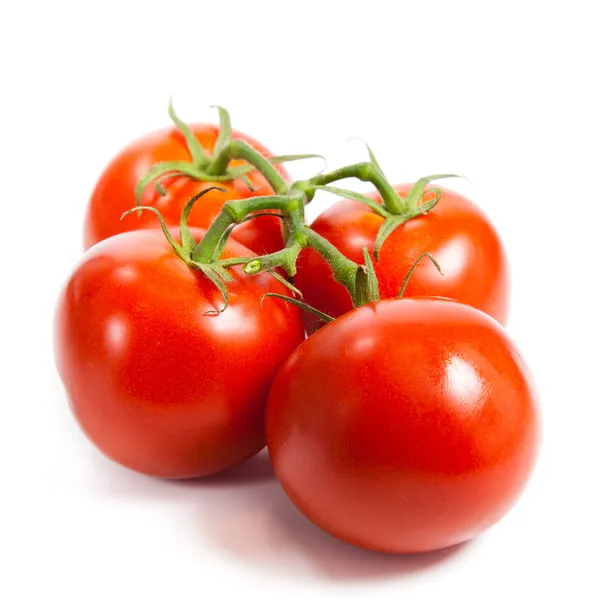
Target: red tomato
{"x":455,"y":232}
{"x":115,"y":191}
{"x":157,"y":384}
{"x":405,"y":425}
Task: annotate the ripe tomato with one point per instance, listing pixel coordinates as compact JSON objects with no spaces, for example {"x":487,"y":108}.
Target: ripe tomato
{"x":115,"y":191}
{"x":455,"y":232}
{"x":404,"y":425}
{"x":157,"y":384}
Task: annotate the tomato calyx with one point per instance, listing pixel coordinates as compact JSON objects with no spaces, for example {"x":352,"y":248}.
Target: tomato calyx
{"x":394,"y":209}
{"x":216,"y":167}
{"x":412,"y":206}
{"x":216,"y":273}
{"x":367,"y":286}
{"x":204,"y":255}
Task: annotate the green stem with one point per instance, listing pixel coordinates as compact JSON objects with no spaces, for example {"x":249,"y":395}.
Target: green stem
{"x":365,"y":172}
{"x":285,"y":258}
{"x":344,"y":270}
{"x":203,"y":253}
{"x":241,"y":149}
{"x":233,"y":213}
{"x":301,"y":236}
{"x":359,"y":280}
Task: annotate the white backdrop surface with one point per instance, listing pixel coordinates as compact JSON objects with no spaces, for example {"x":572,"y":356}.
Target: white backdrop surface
{"x":505,"y":93}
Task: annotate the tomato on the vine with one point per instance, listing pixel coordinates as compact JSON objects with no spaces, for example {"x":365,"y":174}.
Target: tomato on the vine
{"x":160,"y":380}
{"x":404,"y":425}
{"x":456,"y":232}
{"x":115,"y":191}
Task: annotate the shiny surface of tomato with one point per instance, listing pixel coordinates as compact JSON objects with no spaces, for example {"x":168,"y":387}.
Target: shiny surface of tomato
{"x":455,"y":232}
{"x":405,"y":425}
{"x":115,"y":191}
{"x":157,"y":384}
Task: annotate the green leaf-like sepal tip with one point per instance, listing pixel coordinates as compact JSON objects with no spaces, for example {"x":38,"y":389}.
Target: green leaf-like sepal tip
{"x":176,"y":247}
{"x":415,"y":193}
{"x":306,"y":307}
{"x":216,"y":276}
{"x":367,"y":287}
{"x":351,"y":195}
{"x":195,"y":149}
{"x":215,"y":272}
{"x":225,"y":133}
{"x":413,"y":207}
{"x":188,"y":242}
{"x":386,"y":229}
{"x":412,"y":270}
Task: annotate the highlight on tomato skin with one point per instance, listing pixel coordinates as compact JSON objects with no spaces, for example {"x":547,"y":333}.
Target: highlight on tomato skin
{"x":159,"y":380}
{"x":404,"y":426}
{"x":114,"y":192}
{"x":456,"y":232}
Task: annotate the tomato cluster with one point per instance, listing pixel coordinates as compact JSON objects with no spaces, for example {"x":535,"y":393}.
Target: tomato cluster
{"x":407,"y":422}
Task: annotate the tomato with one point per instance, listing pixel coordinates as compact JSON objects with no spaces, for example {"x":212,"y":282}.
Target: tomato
{"x":404,"y":425}
{"x":455,"y":232}
{"x":157,"y":384}
{"x":115,"y":191}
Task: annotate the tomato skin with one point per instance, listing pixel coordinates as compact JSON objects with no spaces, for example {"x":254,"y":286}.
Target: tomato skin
{"x":455,"y":232}
{"x":156,"y":384}
{"x":115,"y":191}
{"x":405,"y":425}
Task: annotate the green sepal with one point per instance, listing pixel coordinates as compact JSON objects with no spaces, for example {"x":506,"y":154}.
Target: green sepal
{"x":195,"y":149}
{"x":412,"y":270}
{"x":188,"y":242}
{"x":248,"y":183}
{"x":215,"y":272}
{"x":284,"y":158}
{"x":159,"y":171}
{"x":386,"y":229}
{"x":240,"y":170}
{"x":413,"y":207}
{"x":306,"y":307}
{"x":178,"y":249}
{"x":367,"y":288}
{"x":350,"y":195}
{"x":217,"y":276}
{"x":425,"y":207}
{"x":373,"y":159}
{"x":158,"y":186}
{"x":224,"y":136}
{"x":285,"y":282}
{"x":418,"y":189}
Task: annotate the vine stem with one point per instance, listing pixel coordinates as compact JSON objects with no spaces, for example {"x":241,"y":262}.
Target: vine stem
{"x":243,"y":150}
{"x":344,"y":269}
{"x":288,"y":201}
{"x":359,"y":280}
{"x":365,"y":171}
{"x":233,"y":213}
{"x":300,"y":236}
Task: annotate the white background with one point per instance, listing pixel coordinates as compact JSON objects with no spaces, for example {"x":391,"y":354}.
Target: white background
{"x":505,"y":93}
